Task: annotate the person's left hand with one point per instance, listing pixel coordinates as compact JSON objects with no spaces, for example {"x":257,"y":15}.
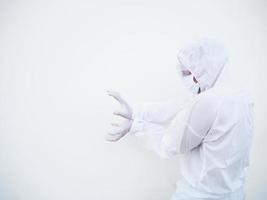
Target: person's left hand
{"x":120,"y":130}
{"x":126,"y":110}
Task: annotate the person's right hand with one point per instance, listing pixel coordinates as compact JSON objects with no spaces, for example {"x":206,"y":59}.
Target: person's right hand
{"x":119,"y":130}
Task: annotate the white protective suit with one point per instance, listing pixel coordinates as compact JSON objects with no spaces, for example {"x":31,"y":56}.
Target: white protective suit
{"x":212,"y":131}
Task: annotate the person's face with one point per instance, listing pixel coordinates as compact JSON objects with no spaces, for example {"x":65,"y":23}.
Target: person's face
{"x":188,"y":76}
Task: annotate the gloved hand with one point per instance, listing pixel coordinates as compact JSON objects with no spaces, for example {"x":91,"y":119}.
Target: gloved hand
{"x":126,"y":110}
{"x":120,"y":130}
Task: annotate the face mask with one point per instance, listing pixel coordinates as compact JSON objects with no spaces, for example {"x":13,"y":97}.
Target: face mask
{"x":190,"y":84}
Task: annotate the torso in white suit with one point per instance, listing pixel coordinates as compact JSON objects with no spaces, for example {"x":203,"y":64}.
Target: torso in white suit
{"x":212,"y":132}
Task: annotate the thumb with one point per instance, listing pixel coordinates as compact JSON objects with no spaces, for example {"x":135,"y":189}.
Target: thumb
{"x":121,"y":113}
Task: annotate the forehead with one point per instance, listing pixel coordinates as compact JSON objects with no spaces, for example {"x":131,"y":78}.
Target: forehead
{"x":181,"y":66}
{"x":184,"y":71}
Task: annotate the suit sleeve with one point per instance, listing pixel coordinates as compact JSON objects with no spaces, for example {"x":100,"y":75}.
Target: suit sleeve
{"x":156,"y":112}
{"x":185,"y":132}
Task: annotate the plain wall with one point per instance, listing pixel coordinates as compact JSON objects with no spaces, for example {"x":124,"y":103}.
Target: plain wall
{"x":58,"y":58}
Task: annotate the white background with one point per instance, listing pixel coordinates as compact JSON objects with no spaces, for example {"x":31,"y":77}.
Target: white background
{"x":58,"y":58}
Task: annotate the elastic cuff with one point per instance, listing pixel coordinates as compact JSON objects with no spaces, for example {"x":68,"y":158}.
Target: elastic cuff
{"x":137,"y":125}
{"x":137,"y":112}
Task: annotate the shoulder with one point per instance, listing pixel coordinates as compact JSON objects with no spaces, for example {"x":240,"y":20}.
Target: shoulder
{"x":208,"y":100}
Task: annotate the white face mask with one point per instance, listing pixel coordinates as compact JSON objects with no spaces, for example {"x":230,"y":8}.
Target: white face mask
{"x":190,"y":84}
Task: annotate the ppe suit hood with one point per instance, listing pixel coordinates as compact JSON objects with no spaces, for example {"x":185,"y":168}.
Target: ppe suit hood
{"x":205,"y":59}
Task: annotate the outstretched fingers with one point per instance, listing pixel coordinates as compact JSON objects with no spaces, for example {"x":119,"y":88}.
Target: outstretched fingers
{"x":121,"y":114}
{"x":114,"y":136}
{"x":116,"y":96}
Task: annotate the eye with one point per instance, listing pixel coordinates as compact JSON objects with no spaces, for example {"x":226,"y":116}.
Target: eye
{"x":186,"y":73}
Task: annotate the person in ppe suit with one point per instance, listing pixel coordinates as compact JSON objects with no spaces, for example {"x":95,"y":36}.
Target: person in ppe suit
{"x":212,"y":131}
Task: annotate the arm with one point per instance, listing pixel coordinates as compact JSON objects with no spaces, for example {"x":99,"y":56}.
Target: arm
{"x":160,"y":113}
{"x":166,"y":142}
{"x":185,"y":132}
{"x":157,"y":112}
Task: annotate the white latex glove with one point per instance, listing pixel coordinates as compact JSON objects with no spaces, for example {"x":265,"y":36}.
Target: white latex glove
{"x":120,"y":130}
{"x":126,"y":110}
